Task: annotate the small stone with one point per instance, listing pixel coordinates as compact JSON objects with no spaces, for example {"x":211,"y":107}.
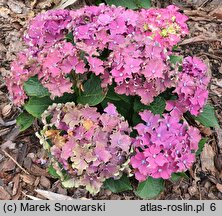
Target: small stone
{"x":45,"y":182}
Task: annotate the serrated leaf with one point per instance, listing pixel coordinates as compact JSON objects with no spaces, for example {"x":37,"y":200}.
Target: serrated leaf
{"x":117,"y":186}
{"x":201,"y":146}
{"x":93,"y":94}
{"x":156,"y":107}
{"x":98,"y":2}
{"x":150,"y":188}
{"x":122,"y":107}
{"x":143,"y":3}
{"x":24,"y":120}
{"x":34,"y":88}
{"x":65,"y":98}
{"x":177,"y":176}
{"x":207,"y":117}
{"x":53,"y":172}
{"x":36,"y":106}
{"x":176,"y":59}
{"x":132,"y":4}
{"x":70,"y":38}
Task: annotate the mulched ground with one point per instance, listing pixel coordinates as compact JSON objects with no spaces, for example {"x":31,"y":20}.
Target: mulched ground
{"x":21,"y":172}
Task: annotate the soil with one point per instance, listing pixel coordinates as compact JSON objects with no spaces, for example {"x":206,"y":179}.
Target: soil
{"x":22,"y":167}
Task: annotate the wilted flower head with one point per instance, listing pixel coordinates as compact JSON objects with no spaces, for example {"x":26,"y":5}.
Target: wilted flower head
{"x":90,"y":146}
{"x":163,"y":146}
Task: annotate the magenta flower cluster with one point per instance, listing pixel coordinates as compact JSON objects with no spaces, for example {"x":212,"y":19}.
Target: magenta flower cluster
{"x":191,"y":88}
{"x":136,"y":45}
{"x":163,"y":146}
{"x":90,"y":146}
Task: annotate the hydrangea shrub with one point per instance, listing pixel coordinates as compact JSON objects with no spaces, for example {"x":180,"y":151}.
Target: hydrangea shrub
{"x":112,"y":95}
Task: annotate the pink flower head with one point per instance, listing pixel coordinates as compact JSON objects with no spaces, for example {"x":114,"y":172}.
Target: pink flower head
{"x":169,"y":147}
{"x":124,"y":47}
{"x":192,"y":85}
{"x":47,"y":28}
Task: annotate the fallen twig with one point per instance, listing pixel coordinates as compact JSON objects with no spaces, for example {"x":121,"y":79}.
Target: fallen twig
{"x":8,"y":155}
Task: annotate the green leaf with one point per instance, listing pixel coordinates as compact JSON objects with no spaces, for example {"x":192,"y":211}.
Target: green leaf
{"x":69,"y":38}
{"x":122,"y":107}
{"x":24,"y":120}
{"x":136,"y":119}
{"x":131,"y":4}
{"x":156,"y":107}
{"x":150,"y":188}
{"x":143,"y":3}
{"x":97,"y":2}
{"x":176,"y":59}
{"x":53,"y":172}
{"x":34,"y":88}
{"x":117,"y":186}
{"x":93,"y":94}
{"x":65,"y":98}
{"x":36,"y":106}
{"x":207,"y":117}
{"x":201,"y":146}
{"x":177,"y":176}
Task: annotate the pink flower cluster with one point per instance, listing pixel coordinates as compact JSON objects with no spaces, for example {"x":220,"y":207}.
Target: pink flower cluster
{"x":90,"y":146}
{"x":56,"y":62}
{"x":21,"y":70}
{"x":191,"y":88}
{"x":47,"y":28}
{"x":129,"y":48}
{"x":163,"y":146}
{"x":166,"y":26}
{"x":137,"y":59}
